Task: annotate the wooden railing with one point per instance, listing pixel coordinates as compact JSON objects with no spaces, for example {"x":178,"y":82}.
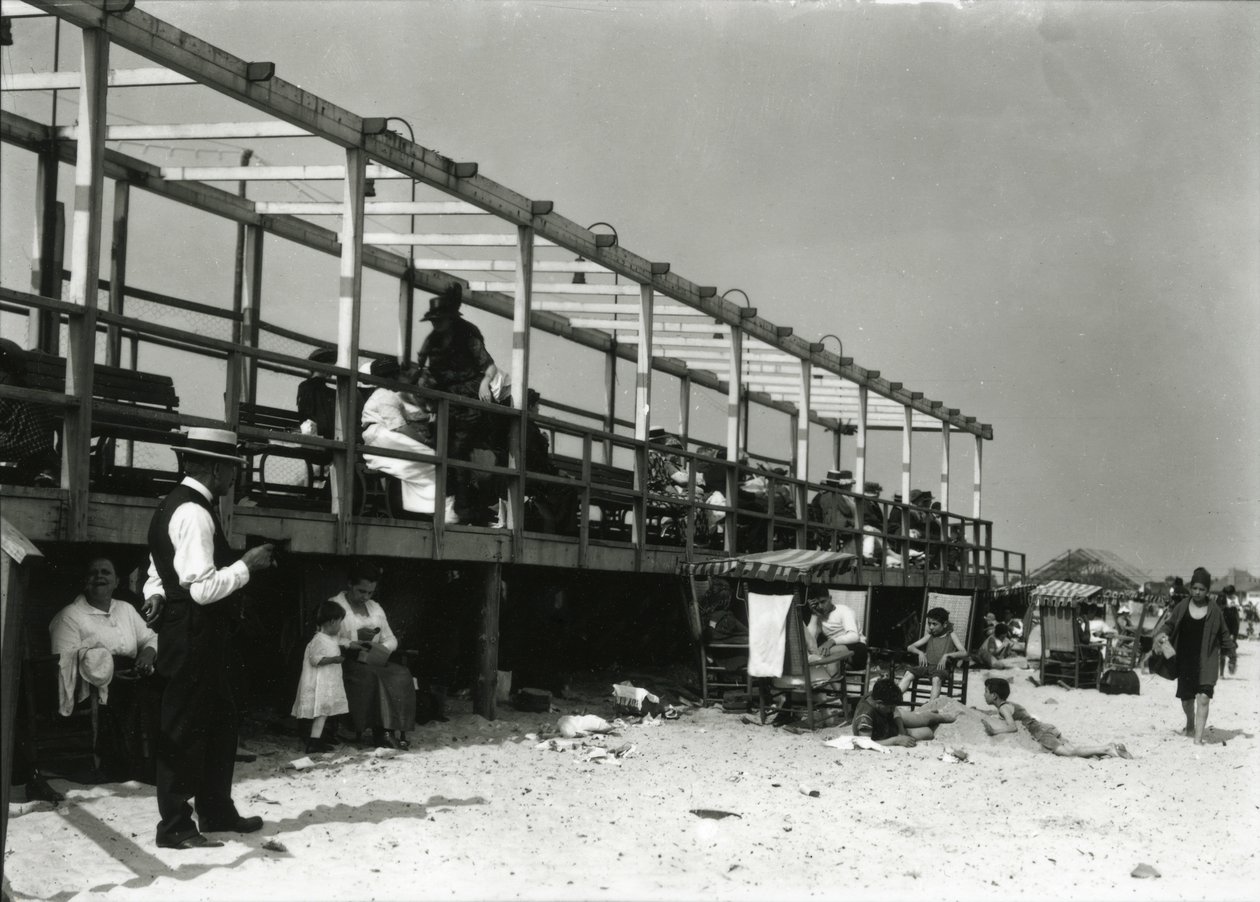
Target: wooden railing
{"x":957,"y":547}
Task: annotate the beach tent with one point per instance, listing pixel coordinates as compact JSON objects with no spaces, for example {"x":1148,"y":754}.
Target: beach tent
{"x":773,"y":585}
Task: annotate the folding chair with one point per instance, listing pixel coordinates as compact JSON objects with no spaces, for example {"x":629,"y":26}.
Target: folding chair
{"x":1064,"y":657}
{"x":1124,"y":648}
{"x":813,"y":697}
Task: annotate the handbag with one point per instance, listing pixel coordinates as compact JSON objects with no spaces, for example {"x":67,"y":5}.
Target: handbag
{"x":1161,"y":666}
{"x":1120,"y":682}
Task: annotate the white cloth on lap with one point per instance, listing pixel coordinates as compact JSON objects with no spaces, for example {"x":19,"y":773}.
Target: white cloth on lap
{"x":767,"y":633}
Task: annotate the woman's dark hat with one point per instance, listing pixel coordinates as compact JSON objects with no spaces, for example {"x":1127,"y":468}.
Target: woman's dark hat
{"x":323,"y":355}
{"x":218,"y":444}
{"x":447,"y":303}
{"x":1201,"y":577}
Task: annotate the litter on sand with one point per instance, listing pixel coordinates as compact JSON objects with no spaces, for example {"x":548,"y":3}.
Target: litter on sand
{"x":1143,"y":871}
{"x":713,"y":814}
{"x":849,"y":743}
{"x":572,"y":726}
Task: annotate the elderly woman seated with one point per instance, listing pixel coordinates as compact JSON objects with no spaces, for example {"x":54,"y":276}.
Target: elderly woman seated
{"x":104,"y":642}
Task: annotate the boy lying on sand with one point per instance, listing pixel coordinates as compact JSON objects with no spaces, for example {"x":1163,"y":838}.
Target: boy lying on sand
{"x":997,"y":693}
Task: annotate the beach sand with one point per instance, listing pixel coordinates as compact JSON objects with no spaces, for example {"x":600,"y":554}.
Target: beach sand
{"x":475,"y":811}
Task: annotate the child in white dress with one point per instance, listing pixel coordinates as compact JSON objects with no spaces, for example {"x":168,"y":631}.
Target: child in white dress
{"x":321,"y":693}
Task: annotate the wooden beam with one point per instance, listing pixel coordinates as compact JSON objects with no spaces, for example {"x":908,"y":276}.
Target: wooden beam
{"x":521,"y":315}
{"x":907,"y":433}
{"x":251,"y":308}
{"x":591,"y":307}
{"x":44,"y":331}
{"x":26,"y":133}
{"x":309,"y":173}
{"x":944,"y":499}
{"x":976,"y":507}
{"x":490,"y":579}
{"x":642,"y":414}
{"x":684,"y":408}
{"x":630,"y":290}
{"x":118,"y":78}
{"x":170,"y":47}
{"x":348,"y":348}
{"x":610,"y":400}
{"x":117,"y":270}
{"x":391,"y":239}
{"x":89,"y":183}
{"x":859,"y":464}
{"x":370,"y":208}
{"x":193,"y":131}
{"x":487,"y":265}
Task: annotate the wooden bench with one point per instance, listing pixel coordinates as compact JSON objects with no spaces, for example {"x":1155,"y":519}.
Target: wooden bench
{"x":375,"y":494}
{"x":613,"y":508}
{"x":126,"y":401}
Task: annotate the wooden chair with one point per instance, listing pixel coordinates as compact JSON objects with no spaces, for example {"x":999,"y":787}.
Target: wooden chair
{"x":954,"y":685}
{"x":1124,"y":648}
{"x":716,"y":678}
{"x":808,"y":694}
{"x":65,"y":746}
{"x":1064,"y":657}
{"x":856,"y":678}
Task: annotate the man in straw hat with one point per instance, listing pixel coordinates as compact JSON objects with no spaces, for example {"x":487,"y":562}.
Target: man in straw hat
{"x":193,"y":577}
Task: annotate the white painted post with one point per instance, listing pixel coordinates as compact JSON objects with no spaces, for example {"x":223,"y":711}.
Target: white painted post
{"x":351,"y":286}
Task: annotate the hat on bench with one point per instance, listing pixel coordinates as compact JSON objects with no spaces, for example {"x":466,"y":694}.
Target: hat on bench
{"x":201,"y":441}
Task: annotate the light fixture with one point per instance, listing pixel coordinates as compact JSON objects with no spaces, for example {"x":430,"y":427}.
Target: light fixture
{"x":838,"y":341}
{"x":579,"y":278}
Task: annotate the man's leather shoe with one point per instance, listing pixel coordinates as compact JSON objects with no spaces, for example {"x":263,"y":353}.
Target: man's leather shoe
{"x":196,"y":841}
{"x":240,"y":825}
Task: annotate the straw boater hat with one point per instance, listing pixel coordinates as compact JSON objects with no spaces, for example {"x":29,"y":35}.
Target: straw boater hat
{"x":869,"y":487}
{"x":840,"y":478}
{"x":218,"y":444}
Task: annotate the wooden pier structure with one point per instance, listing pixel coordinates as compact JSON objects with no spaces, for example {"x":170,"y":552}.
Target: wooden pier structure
{"x":167,"y":362}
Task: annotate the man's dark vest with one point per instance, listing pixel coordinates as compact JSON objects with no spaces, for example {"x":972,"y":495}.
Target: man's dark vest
{"x":163,"y":550}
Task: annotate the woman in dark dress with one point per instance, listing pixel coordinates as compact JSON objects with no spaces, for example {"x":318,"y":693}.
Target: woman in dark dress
{"x":1198,"y":634}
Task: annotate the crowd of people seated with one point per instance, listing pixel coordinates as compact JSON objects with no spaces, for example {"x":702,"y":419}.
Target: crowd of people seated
{"x":27,"y":437}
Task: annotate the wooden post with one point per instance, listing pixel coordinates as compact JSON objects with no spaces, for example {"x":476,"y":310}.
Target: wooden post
{"x":488,"y":639}
{"x":17,"y":556}
{"x":237,"y":377}
{"x":406,"y":315}
{"x":117,"y":271}
{"x":348,"y":348}
{"x":522,"y":311}
{"x":610,"y":398}
{"x":836,"y":437}
{"x":734,"y":409}
{"x":975,"y":489}
{"x":642,"y":412}
{"x":43,"y":326}
{"x":906,"y":438}
{"x":859,"y":462}
{"x":89,"y":181}
{"x":684,"y":409}
{"x":945,"y":466}
{"x":251,"y":312}
{"x":802,"y":451}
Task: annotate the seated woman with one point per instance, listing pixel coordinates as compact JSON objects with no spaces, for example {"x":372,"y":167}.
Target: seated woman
{"x":398,"y":420}
{"x":130,"y":697}
{"x":380,"y":691}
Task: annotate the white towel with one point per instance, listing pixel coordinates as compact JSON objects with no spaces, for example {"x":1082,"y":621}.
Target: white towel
{"x":79,"y":670}
{"x":767,"y":633}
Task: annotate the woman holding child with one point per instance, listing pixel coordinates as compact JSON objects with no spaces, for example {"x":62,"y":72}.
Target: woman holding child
{"x":380,"y":691}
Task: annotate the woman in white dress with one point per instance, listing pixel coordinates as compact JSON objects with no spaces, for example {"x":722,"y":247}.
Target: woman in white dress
{"x":400,"y":421}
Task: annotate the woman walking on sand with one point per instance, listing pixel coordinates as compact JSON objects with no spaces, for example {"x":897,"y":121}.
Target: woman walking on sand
{"x":1197,"y":632}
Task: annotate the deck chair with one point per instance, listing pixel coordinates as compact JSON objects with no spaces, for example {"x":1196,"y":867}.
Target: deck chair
{"x":856,"y":677}
{"x":722,"y":661}
{"x":809,"y":696}
{"x":1064,"y":658}
{"x":954,"y":685}
{"x":65,"y":746}
{"x":1124,"y":648}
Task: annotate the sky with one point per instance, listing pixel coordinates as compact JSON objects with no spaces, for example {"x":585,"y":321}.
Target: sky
{"x":1044,"y":214}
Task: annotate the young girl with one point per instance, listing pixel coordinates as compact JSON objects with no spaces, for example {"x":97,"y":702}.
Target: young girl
{"x":320,"y":690}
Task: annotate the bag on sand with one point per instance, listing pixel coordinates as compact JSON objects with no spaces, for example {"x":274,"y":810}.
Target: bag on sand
{"x":1120,"y":682}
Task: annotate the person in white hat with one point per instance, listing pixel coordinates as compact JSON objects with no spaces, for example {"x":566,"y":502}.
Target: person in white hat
{"x":193,"y":577}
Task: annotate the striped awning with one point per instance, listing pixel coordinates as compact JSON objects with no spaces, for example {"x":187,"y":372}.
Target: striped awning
{"x":1060,"y":592}
{"x":792,"y":565}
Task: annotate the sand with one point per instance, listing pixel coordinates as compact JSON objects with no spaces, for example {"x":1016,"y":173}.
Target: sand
{"x":475,"y":811}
